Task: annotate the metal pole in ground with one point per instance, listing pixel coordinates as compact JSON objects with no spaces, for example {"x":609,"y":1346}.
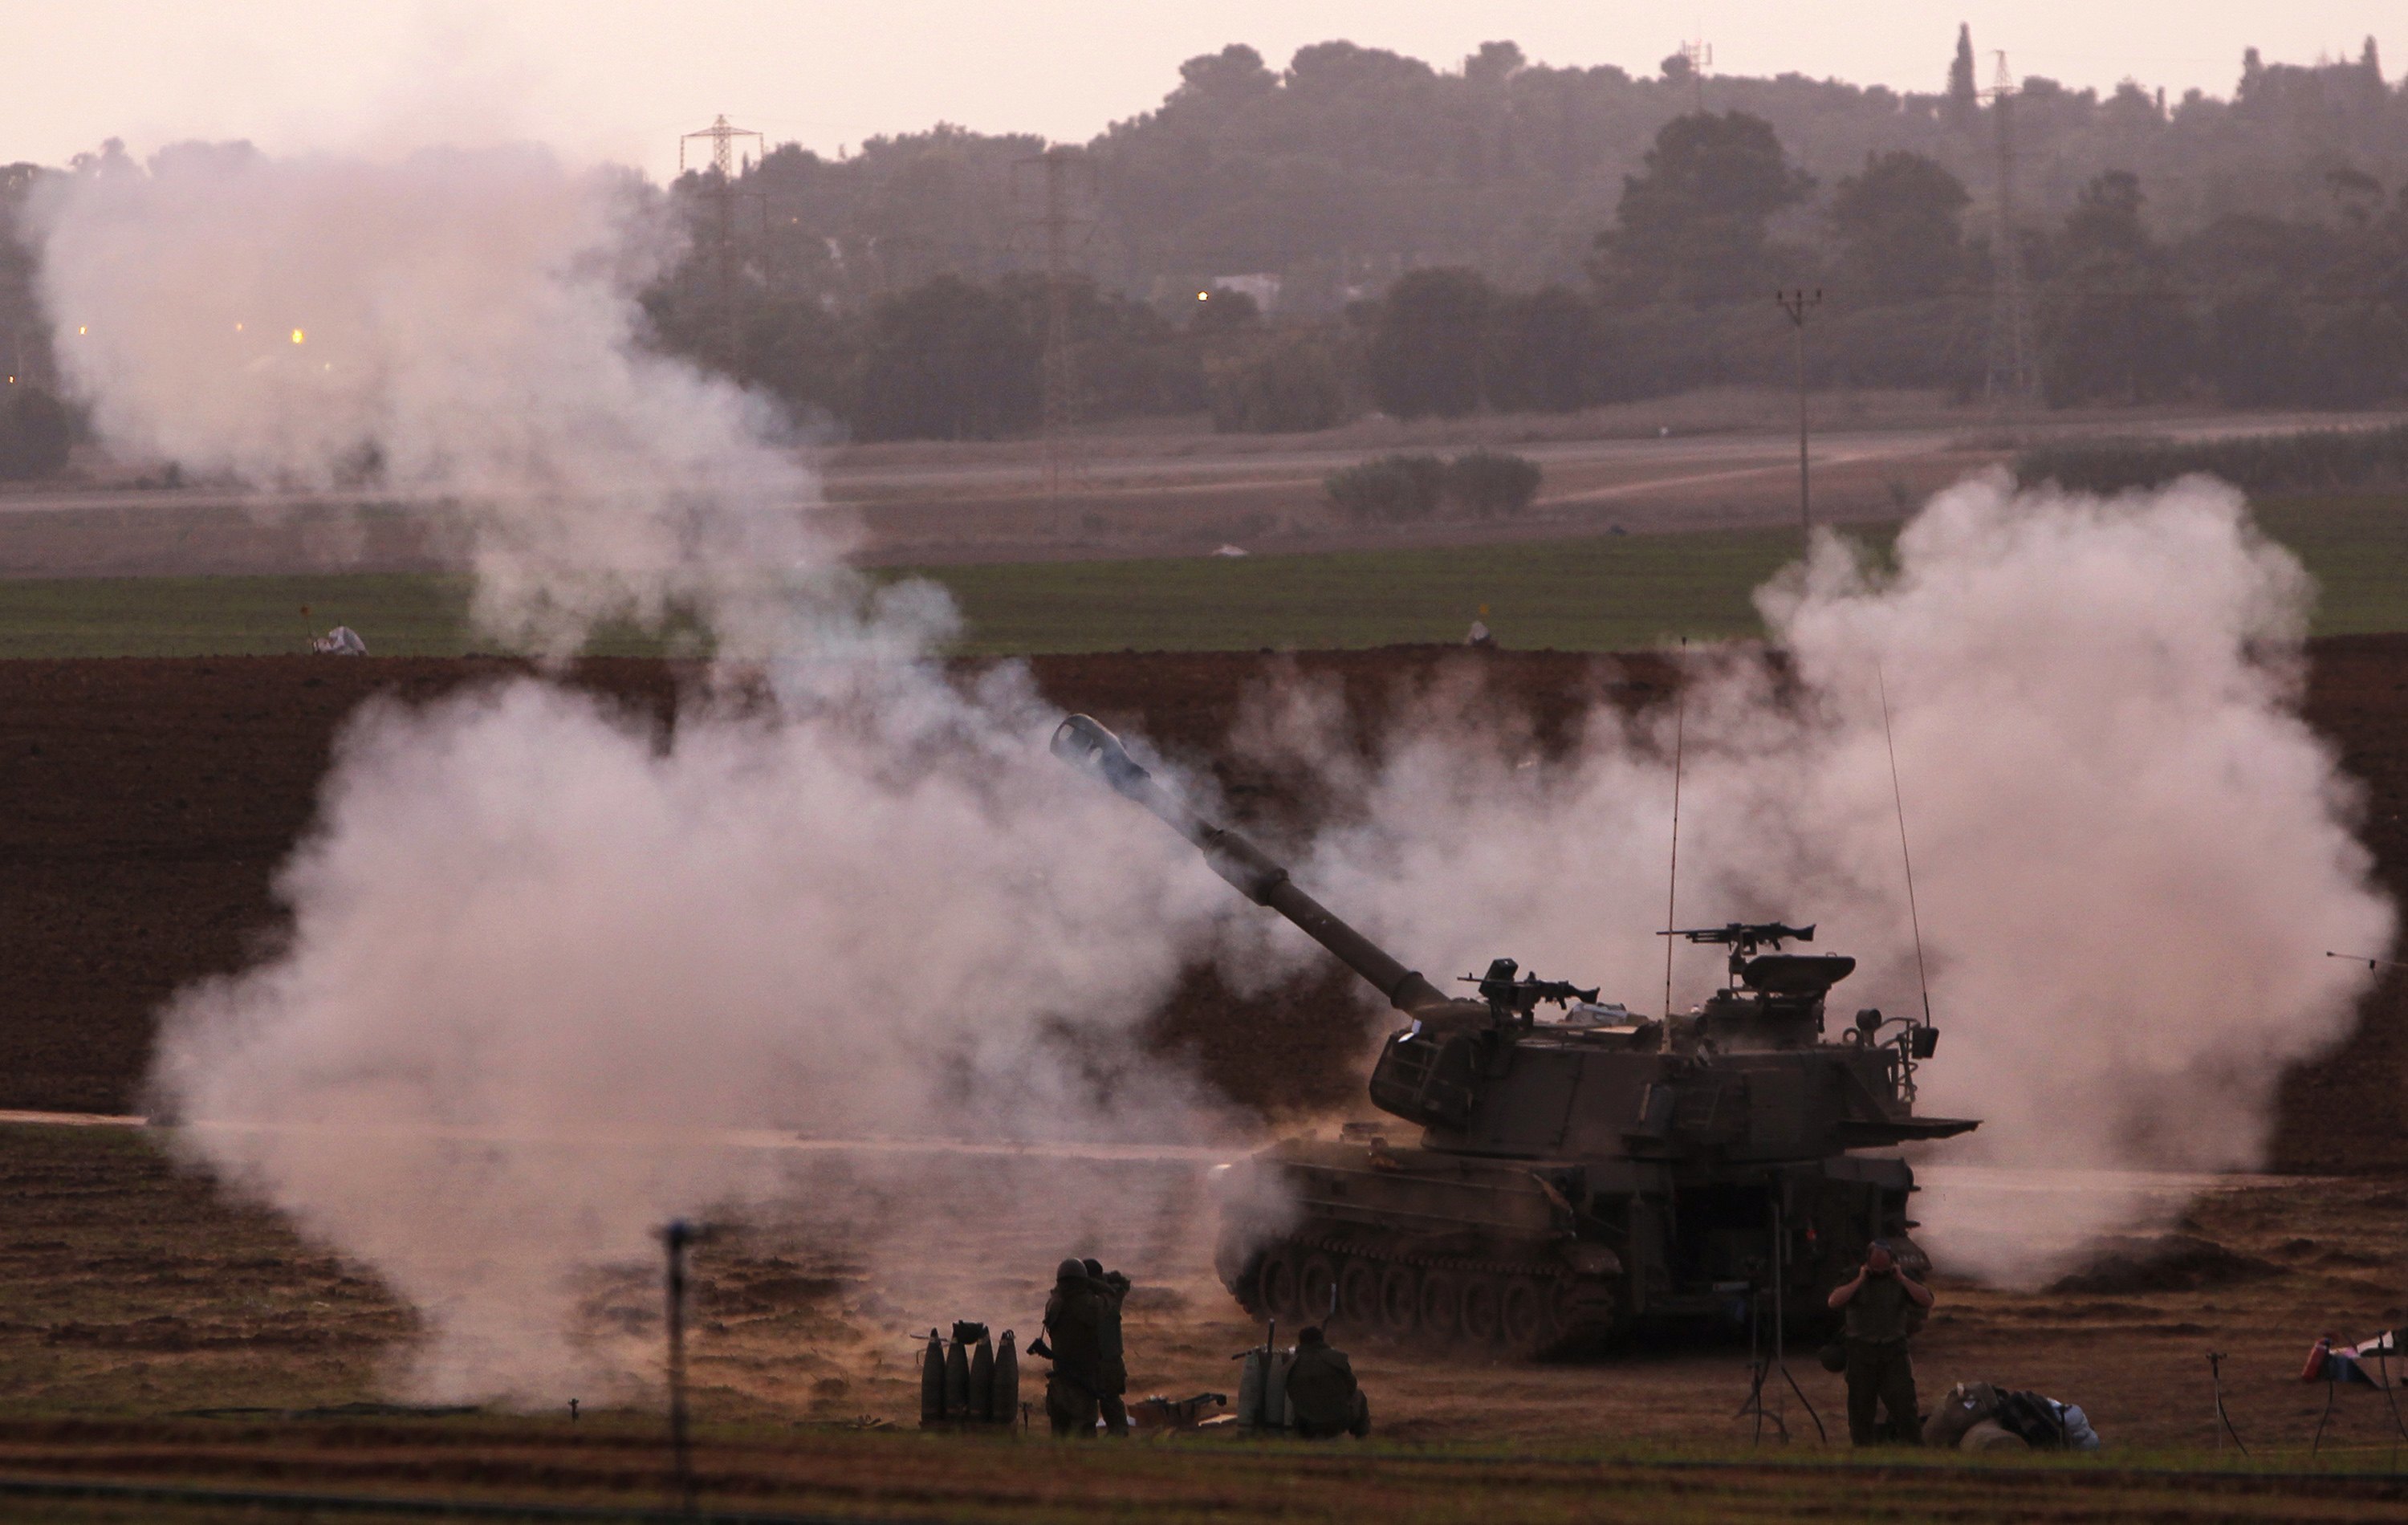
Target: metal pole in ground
{"x":1796,"y":304}
{"x":1781,"y":1289}
{"x":2317,"y":1444}
{"x":2223,"y":1418}
{"x":676,"y":1237}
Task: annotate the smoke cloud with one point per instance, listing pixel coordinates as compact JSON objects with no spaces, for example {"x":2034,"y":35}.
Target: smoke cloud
{"x":546,"y":956}
{"x":2130,"y":852}
{"x":452,"y":323}
{"x":542,"y":963}
{"x":548,"y":960}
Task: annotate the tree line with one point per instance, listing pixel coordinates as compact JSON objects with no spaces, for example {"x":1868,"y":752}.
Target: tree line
{"x":1503,"y":236}
{"x":2252,"y":309}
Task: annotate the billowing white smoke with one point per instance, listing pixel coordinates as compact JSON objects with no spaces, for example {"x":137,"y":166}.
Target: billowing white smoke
{"x":544,"y":955}
{"x":463,"y":320}
{"x":540,"y":964}
{"x":2130,"y":852}
{"x":541,"y":949}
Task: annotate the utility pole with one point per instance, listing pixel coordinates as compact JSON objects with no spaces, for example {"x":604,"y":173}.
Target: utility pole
{"x":725,"y":194}
{"x":2010,"y":379}
{"x":1700,"y":56}
{"x":1064,"y":234}
{"x":1797,"y":304}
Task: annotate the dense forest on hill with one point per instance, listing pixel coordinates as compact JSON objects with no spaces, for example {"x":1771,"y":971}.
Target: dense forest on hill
{"x":1288,"y":248}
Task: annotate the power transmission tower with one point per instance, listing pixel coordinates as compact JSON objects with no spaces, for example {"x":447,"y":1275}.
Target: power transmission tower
{"x":2010,"y":379}
{"x":1700,"y":56}
{"x":725,"y":194}
{"x":1068,"y":175}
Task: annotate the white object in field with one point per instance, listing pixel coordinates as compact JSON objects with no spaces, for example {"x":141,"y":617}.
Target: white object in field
{"x":342,"y":641}
{"x":2079,"y":1436}
{"x":1230,"y":550}
{"x":1478,"y":635}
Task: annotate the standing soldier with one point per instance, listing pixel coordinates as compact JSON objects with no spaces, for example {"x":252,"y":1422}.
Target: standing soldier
{"x":1322,"y":1393}
{"x":1112,"y":1291}
{"x":1074,"y":1341}
{"x":1883,"y":1304}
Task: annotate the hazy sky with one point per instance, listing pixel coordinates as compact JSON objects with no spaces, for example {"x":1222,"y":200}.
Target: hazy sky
{"x":623,"y":79}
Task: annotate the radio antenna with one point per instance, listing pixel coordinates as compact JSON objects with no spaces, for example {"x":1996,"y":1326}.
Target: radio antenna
{"x":2369,"y":962}
{"x":1897,"y":798}
{"x":1672,"y":889}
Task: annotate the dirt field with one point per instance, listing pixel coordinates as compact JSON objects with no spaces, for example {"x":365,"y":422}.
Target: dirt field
{"x":152,"y":800}
{"x":156,"y":1332}
{"x":1717,"y":459}
{"x":150,"y":803}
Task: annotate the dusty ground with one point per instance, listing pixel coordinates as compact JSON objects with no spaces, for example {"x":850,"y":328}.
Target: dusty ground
{"x":138,"y":1291}
{"x":151,"y":801}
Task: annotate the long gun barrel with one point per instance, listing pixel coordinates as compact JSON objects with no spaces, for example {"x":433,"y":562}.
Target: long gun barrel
{"x":1086,"y":745}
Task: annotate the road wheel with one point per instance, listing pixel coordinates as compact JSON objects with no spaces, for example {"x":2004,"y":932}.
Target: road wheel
{"x":1278,"y":1282}
{"x":1481,"y":1319}
{"x":1359,"y":1295}
{"x":1441,"y":1312}
{"x":1400,"y":1303}
{"x":1524,"y":1310}
{"x":1248,"y":1288}
{"x":1314,"y":1282}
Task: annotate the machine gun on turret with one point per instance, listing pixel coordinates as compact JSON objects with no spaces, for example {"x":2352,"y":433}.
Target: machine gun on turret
{"x":1776,"y":973}
{"x":1518,"y":999}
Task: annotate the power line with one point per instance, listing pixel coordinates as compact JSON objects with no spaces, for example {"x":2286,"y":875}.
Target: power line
{"x":2010,"y":381}
{"x":1066,"y":170}
{"x":1797,"y":304}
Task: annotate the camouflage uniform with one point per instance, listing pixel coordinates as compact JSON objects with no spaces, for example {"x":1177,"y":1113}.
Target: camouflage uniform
{"x":1112,"y":1289}
{"x":1074,"y":1333}
{"x":1322,"y":1398}
{"x":1880,"y":1375}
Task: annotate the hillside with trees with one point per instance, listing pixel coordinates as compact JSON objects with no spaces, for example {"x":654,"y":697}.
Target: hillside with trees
{"x":1286,"y":248}
{"x":1503,"y":236}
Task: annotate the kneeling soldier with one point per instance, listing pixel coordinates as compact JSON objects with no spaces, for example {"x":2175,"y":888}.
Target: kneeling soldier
{"x":1322,"y":1397}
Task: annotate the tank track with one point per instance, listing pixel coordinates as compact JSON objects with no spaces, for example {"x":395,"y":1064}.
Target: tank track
{"x":1502,"y":1309}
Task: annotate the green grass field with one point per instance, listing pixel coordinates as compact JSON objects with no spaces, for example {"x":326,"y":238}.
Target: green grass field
{"x":1606,"y":593}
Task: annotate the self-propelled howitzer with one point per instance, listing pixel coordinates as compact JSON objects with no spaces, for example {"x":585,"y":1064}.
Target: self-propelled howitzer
{"x":1573,"y":1175}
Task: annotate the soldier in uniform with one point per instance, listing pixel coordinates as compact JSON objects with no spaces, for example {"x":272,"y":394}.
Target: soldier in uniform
{"x":1322,"y":1397}
{"x":1111,"y":1390}
{"x":1074,"y":1339}
{"x":1883,"y":1305}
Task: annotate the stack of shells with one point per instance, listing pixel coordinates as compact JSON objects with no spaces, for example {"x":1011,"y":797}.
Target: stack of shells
{"x":969,"y":1380}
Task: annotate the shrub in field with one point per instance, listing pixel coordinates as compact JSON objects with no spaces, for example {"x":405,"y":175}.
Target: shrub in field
{"x":1490,"y":483}
{"x":2312,"y":460}
{"x":1391,"y":489}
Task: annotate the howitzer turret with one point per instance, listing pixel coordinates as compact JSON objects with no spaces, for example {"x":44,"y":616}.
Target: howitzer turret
{"x":1576,"y":1174}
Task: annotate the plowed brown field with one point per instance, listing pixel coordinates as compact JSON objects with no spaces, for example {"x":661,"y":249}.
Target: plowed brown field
{"x":150,"y":803}
{"x":152,"y":800}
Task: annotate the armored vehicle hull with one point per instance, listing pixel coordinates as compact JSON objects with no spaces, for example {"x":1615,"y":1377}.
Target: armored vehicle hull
{"x":1525,"y":1257}
{"x":1571,"y":1177}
